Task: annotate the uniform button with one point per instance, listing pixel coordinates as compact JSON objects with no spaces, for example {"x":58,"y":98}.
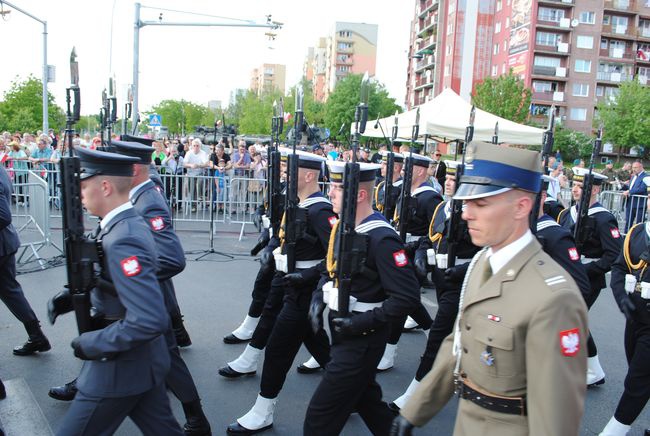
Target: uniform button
{"x":540,"y":262}
{"x":465,"y":350}
{"x":468,"y":327}
{"x":489,"y":339}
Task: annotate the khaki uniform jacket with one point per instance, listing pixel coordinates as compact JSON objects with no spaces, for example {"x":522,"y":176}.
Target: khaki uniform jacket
{"x":532,"y":319}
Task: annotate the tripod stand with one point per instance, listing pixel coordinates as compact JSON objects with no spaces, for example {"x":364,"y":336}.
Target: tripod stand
{"x":211,"y":250}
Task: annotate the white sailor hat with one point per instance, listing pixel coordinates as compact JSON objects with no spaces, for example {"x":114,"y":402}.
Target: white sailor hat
{"x":307,"y":160}
{"x":579,"y":175}
{"x":367,"y":171}
{"x":397,"y":157}
{"x":419,"y":159}
{"x":452,"y":165}
{"x":491,"y":169}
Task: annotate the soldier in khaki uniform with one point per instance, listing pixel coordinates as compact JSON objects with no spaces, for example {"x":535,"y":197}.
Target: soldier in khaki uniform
{"x":517,"y":354}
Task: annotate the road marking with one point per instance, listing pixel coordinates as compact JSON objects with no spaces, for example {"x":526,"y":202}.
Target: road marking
{"x":428,"y":302}
{"x":20,"y":414}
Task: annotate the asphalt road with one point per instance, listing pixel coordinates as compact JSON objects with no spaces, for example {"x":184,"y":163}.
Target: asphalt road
{"x":214,"y":295}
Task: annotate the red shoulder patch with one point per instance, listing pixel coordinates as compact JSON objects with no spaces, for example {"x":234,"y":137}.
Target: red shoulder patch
{"x":157,"y":223}
{"x":332,"y":220}
{"x":130,"y":266}
{"x":615,"y":233}
{"x":570,"y":342}
{"x":573,"y":254}
{"x":400,"y":258}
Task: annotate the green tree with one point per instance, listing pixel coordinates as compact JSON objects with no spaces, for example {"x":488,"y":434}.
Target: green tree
{"x":181,"y":116}
{"x":88,"y":123}
{"x":572,"y":144}
{"x":505,"y":96}
{"x":341,"y":104}
{"x":22,"y":107}
{"x":626,"y":118}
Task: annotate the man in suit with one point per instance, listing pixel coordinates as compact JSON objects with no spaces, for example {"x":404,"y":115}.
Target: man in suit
{"x":517,"y":354}
{"x":634,"y":209}
{"x":11,"y":292}
{"x":126,"y":359}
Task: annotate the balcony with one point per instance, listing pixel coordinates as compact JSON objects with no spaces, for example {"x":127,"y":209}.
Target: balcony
{"x":643,"y":80}
{"x":425,"y":62}
{"x":557,"y":72}
{"x":549,"y":96}
{"x":603,"y":76}
{"x":557,"y":3}
{"x":426,"y":6}
{"x":563,"y":25}
{"x":643,"y":32}
{"x":423,"y":82}
{"x":561,"y":48}
{"x":347,"y":61}
{"x":627,"y":6}
{"x":426,"y":42}
{"x":618,"y":53}
{"x":620,"y":32}
{"x":427,"y":24}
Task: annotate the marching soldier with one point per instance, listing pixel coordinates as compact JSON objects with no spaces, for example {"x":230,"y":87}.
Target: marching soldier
{"x":358,"y":340}
{"x":516,"y":357}
{"x":126,"y":360}
{"x":600,"y":249}
{"x":11,"y":292}
{"x":424,"y":200}
{"x":448,"y":281}
{"x":291,"y":328}
{"x":631,"y":288}
{"x":380,"y":189}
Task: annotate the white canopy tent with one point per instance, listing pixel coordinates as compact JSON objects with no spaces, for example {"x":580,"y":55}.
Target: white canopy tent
{"x":445,"y":118}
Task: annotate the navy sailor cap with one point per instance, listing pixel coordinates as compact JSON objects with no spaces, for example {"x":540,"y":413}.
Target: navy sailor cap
{"x":95,"y":162}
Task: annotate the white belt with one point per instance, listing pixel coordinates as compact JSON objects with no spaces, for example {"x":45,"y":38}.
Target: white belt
{"x":462,"y":261}
{"x":360,"y":306}
{"x":586,"y":260}
{"x":411,"y":238}
{"x":304,"y":264}
{"x":266,"y":222}
{"x":331,"y":298}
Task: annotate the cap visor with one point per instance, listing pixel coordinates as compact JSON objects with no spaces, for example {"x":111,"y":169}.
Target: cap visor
{"x":470,"y":191}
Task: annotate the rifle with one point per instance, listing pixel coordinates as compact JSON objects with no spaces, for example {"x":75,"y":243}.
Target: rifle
{"x":295,"y":219}
{"x":454,"y":235}
{"x":127,"y":110}
{"x":495,"y":137}
{"x":80,"y":252}
{"x":580,"y":231}
{"x":351,"y":247}
{"x":406,"y":199}
{"x":547,"y":149}
{"x":388,"y":183}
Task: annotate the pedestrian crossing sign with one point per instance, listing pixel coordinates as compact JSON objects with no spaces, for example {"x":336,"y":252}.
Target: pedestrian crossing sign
{"x":155,"y":120}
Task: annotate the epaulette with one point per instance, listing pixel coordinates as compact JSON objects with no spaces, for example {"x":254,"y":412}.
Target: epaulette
{"x":554,"y":277}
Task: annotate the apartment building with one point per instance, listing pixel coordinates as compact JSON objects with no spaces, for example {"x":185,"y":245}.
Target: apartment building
{"x":571,"y":53}
{"x":351,"y":48}
{"x":268,"y":77}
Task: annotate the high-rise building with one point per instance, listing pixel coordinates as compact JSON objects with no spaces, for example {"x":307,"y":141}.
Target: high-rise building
{"x":571,"y":53}
{"x":351,"y":48}
{"x":268,"y":77}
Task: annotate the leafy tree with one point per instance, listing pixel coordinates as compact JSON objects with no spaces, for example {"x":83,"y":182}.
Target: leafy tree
{"x":506,"y":96}
{"x":626,"y":118}
{"x":341,"y":104}
{"x":181,"y":116}
{"x":22,"y":107}
{"x":88,"y":123}
{"x":572,"y":144}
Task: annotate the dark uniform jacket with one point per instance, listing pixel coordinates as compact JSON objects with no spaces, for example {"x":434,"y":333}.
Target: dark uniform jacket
{"x":603,"y":241}
{"x":424,"y":201}
{"x":130,"y":355}
{"x":380,"y":197}
{"x":629,"y":262}
{"x":151,"y":206}
{"x":9,"y":241}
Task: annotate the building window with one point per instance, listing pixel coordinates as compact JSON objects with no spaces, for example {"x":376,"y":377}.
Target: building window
{"x":499,"y":5}
{"x":447,"y":70}
{"x":507,"y":22}
{"x":545,"y":61}
{"x":345,"y":34}
{"x":546,"y":38}
{"x":580,"y":90}
{"x":495,"y":49}
{"x":549,"y":14}
{"x":494,"y":70}
{"x":505,"y":45}
{"x":503,"y":68}
{"x":448,"y":51}
{"x":587,"y":17}
{"x":582,"y":66}
{"x":585,"y":42}
{"x":452,"y":8}
{"x":497,"y":27}
{"x":543,"y":86}
{"x":450,"y":28}
{"x":599,"y":91}
{"x":603,"y":43}
{"x":344,"y":68}
{"x":578,"y":114}
{"x":344,"y":46}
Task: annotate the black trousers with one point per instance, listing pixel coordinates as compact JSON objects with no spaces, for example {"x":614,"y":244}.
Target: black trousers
{"x":292,"y":329}
{"x":169,"y":296}
{"x":270,"y":311}
{"x":442,"y":326}
{"x":179,"y":380}
{"x":637,"y":381}
{"x":11,"y":293}
{"x":349,"y":385}
{"x":261,"y":289}
{"x":596,"y":286}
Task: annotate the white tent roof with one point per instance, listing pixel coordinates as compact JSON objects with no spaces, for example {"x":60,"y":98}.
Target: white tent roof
{"x":445,"y":118}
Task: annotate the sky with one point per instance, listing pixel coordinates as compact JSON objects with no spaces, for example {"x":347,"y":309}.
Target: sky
{"x":197,"y":64}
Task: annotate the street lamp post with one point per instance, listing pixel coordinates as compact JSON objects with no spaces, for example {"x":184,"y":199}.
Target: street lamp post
{"x":45,"y":74}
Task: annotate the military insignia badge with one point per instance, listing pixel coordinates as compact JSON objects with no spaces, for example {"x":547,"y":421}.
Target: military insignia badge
{"x":615,"y":233}
{"x":570,"y":342}
{"x":487,"y":357}
{"x":494,"y":318}
{"x":332,"y":220}
{"x":400,"y":258}
{"x":573,"y":253}
{"x":130,"y":266}
{"x":157,"y":223}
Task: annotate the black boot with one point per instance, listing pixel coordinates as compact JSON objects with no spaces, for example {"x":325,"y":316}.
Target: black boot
{"x":197,"y":424}
{"x":66,"y":392}
{"x":182,"y":336}
{"x":3,"y":392}
{"x":36,"y":340}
